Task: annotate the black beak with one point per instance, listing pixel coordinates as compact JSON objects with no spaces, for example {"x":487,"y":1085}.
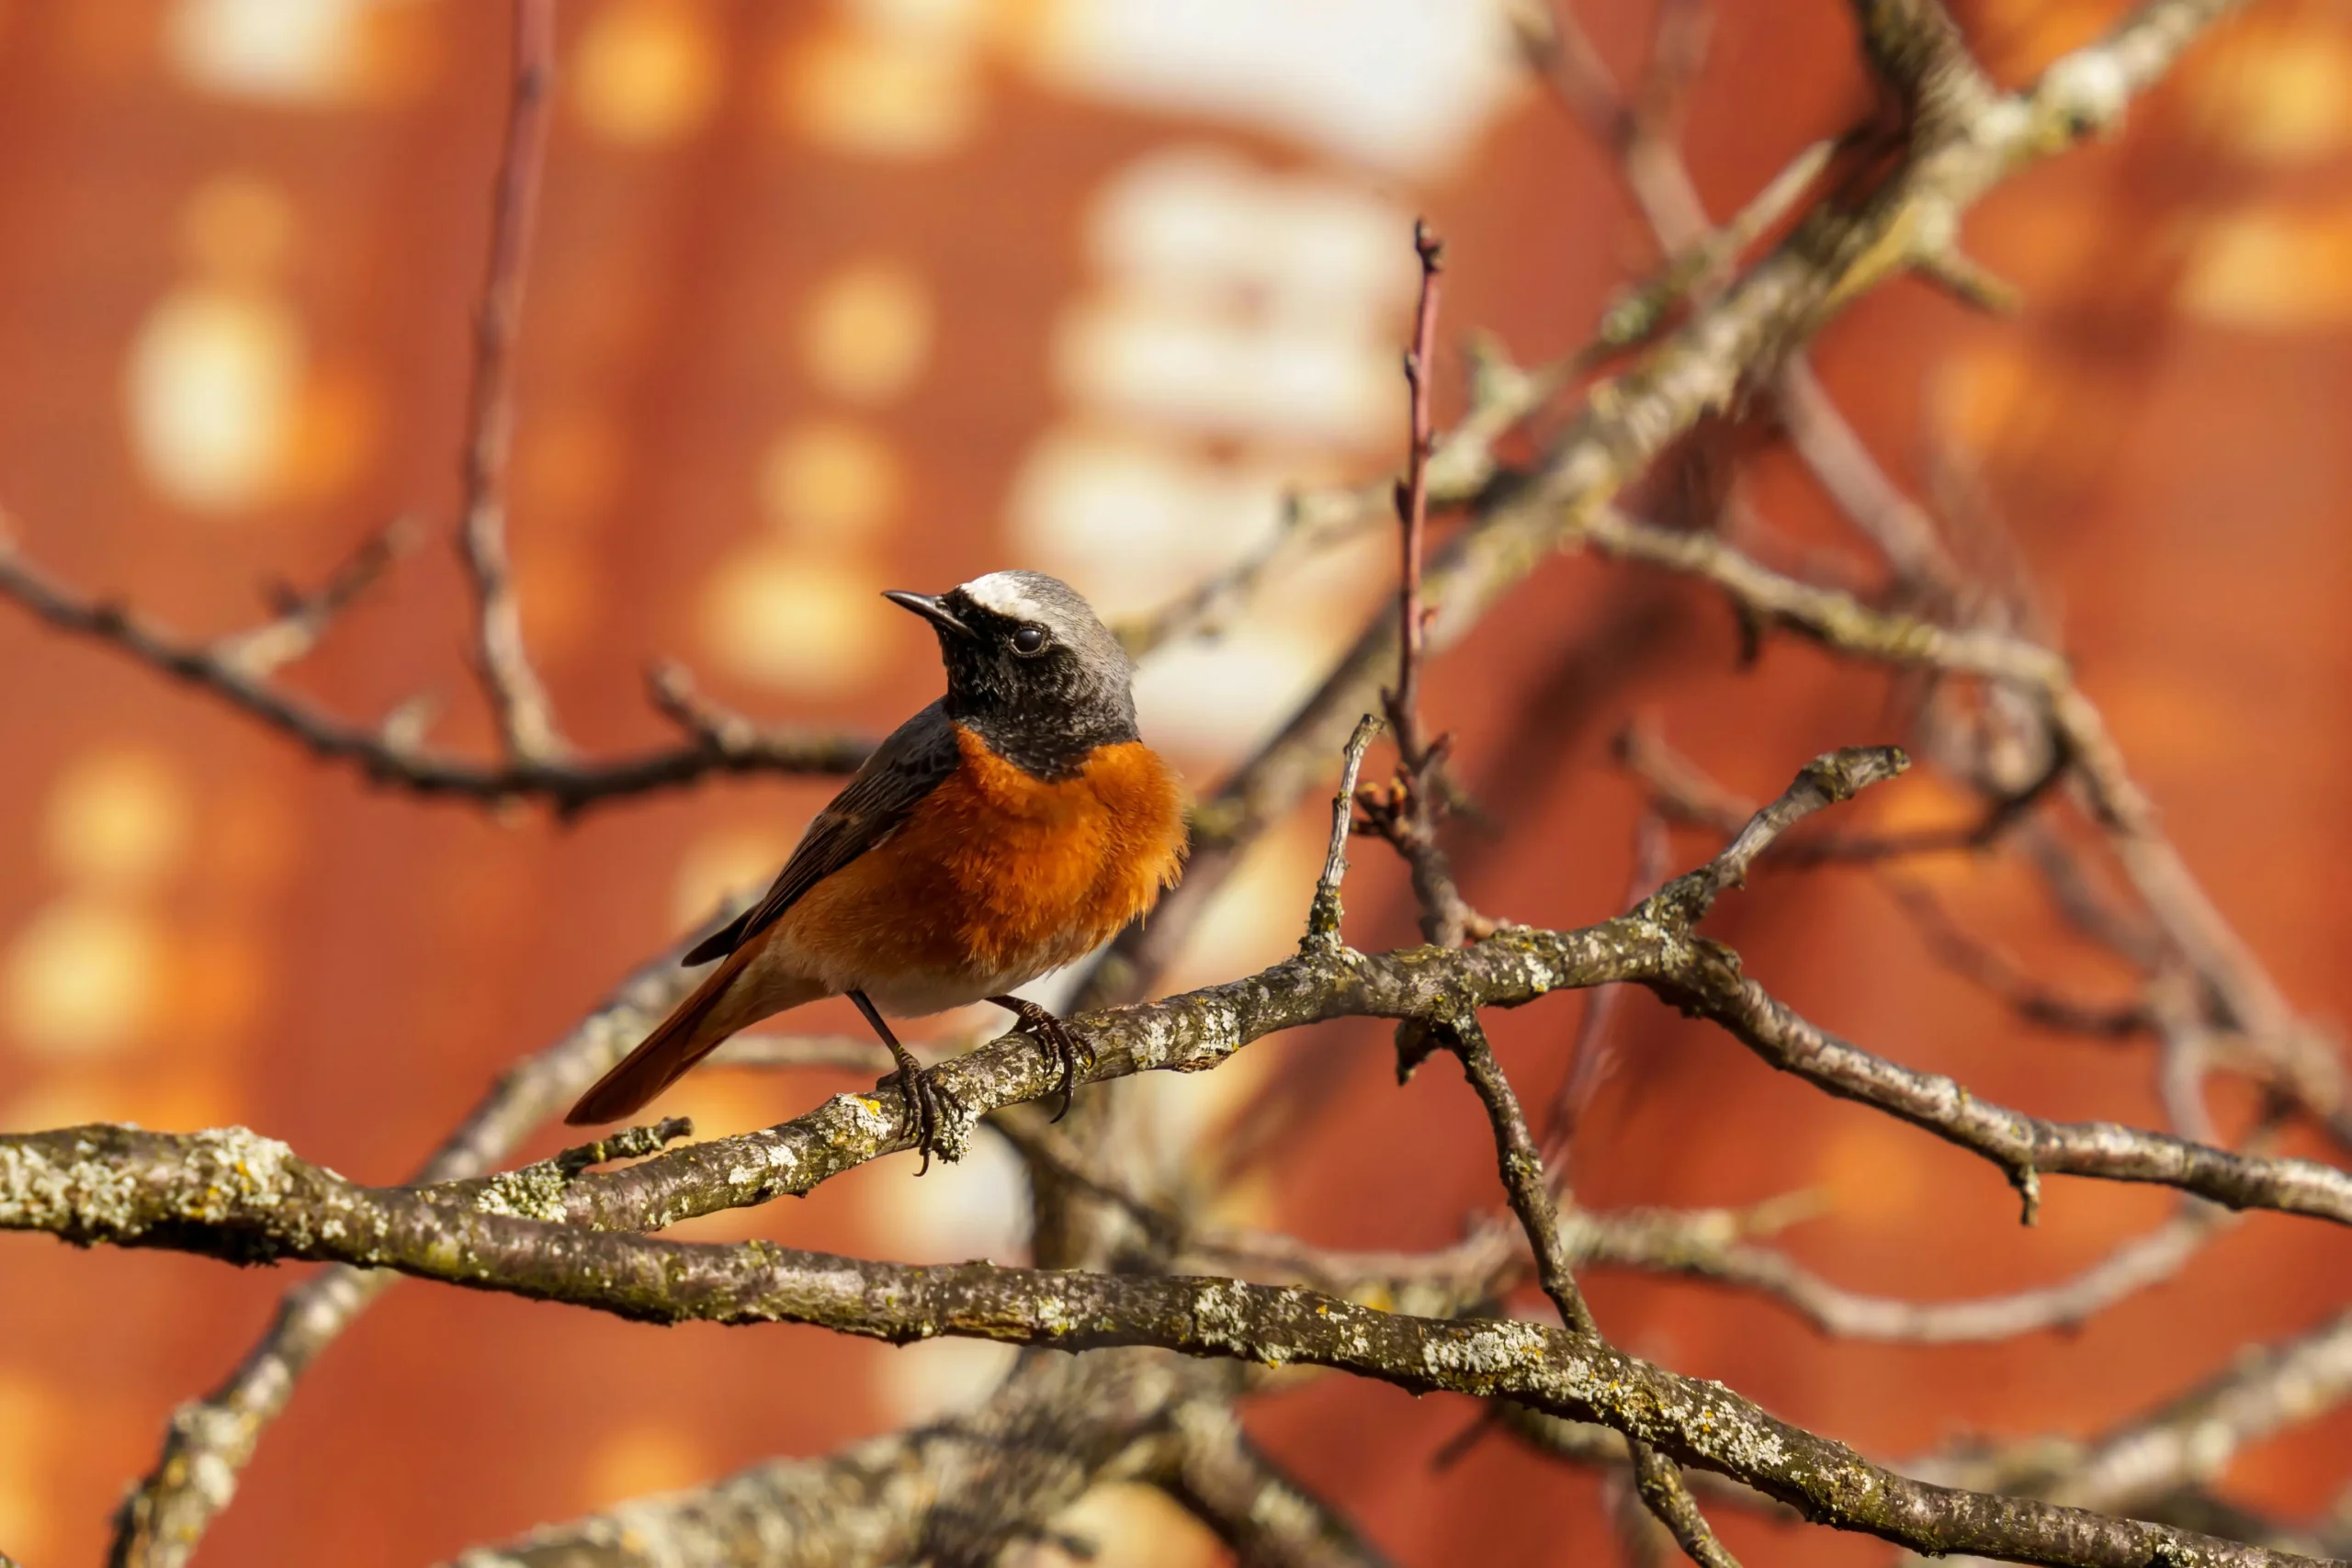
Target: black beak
{"x":928,"y":607}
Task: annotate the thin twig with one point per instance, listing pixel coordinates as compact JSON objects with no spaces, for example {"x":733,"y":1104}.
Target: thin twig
{"x":1591,"y":1056}
{"x":1406,"y":810}
{"x":1323,"y":914}
{"x":1996,"y":973}
{"x":1412,"y":508}
{"x":525,"y":717}
{"x":303,"y":618}
{"x":387,"y":757}
{"x":1522,"y":1167}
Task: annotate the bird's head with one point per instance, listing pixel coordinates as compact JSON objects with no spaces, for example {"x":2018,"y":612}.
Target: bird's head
{"x":1030,"y":667}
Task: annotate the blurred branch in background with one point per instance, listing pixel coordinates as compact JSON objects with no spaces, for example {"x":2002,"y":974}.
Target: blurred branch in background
{"x":525,"y":714}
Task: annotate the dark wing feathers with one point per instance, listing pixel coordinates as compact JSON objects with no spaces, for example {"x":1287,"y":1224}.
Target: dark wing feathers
{"x":918,"y":757}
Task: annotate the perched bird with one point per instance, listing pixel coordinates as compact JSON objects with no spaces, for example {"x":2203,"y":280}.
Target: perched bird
{"x":1005,"y":830}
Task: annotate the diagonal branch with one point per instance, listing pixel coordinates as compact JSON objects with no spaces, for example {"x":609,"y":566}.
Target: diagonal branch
{"x":1834,"y":255}
{"x":1261,"y":1514}
{"x":954,"y":1491}
{"x":163,"y":1517}
{"x":1521,"y":1165}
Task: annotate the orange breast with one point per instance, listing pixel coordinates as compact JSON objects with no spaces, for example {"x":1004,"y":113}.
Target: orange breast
{"x":996,"y":877}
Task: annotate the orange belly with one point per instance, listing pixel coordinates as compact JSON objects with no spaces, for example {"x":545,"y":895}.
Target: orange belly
{"x":995,"y":878}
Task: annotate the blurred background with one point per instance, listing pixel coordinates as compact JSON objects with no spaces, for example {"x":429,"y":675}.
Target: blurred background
{"x":837,"y":296}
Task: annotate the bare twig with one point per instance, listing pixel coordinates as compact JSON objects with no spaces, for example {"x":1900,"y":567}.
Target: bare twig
{"x":525,"y":717}
{"x":2297,"y":1060}
{"x":1995,"y":972}
{"x":1521,"y":1167}
{"x":1406,"y":810}
{"x":1679,"y":790}
{"x":1591,"y":1055}
{"x":303,"y":618}
{"x":388,"y":759}
{"x":1323,"y":914}
{"x":1412,"y":508}
{"x":1708,"y":1248}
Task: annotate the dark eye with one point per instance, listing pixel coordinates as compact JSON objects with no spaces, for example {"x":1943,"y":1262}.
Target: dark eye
{"x":1029,"y":641}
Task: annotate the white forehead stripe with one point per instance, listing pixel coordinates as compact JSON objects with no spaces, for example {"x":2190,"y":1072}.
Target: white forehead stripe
{"x":1003,"y":591}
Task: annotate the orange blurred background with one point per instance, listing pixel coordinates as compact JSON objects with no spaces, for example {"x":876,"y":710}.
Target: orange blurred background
{"x":830,"y":298}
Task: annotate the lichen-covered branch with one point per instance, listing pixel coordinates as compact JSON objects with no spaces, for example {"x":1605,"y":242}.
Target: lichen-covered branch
{"x":1652,"y":946}
{"x":249,"y":1199}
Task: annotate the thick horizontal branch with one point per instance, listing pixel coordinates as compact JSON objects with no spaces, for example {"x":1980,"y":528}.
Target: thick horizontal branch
{"x":243,"y":1198}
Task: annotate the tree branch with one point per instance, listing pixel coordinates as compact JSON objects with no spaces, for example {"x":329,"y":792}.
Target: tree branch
{"x":248,"y":1200}
{"x":953,"y":1492}
{"x":391,"y":759}
{"x":526,"y":717}
{"x":1261,"y":1512}
{"x":1667,"y":1497}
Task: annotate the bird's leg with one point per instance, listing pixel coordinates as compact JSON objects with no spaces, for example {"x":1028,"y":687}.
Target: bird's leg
{"x":922,"y":1091}
{"x":1057,"y":1040}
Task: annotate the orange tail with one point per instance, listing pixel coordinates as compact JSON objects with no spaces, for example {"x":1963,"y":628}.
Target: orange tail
{"x":692,"y":1031}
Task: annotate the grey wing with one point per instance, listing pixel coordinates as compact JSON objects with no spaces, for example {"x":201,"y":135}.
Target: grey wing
{"x":916,"y":759}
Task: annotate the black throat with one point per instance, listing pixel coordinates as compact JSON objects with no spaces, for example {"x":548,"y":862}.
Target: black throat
{"x":1048,"y":746}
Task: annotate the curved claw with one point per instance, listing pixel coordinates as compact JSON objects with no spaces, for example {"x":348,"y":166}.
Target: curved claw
{"x":928,"y":1106}
{"x":1059,"y":1043}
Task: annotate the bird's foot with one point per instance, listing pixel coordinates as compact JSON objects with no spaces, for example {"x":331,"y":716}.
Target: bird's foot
{"x":1058,"y":1040}
{"x":929,"y":1107}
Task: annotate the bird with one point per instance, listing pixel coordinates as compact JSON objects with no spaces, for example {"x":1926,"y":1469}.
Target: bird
{"x":1008,"y":830}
